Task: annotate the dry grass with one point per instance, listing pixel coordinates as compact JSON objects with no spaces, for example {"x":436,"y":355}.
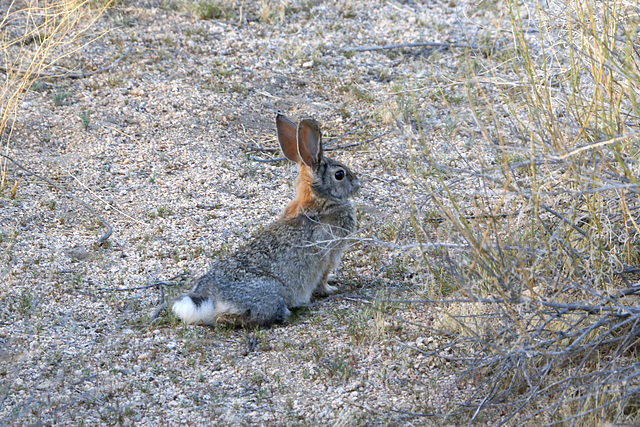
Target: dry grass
{"x":549,"y":211}
{"x":34,"y":37}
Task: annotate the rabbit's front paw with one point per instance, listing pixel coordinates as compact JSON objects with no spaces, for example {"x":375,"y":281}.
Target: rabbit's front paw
{"x":326,"y":289}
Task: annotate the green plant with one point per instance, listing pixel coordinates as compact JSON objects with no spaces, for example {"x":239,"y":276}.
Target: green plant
{"x":251,"y":167}
{"x":164,"y":212}
{"x":114,"y":81}
{"x":361,"y":93}
{"x":85,"y":118}
{"x":59,"y":97}
{"x":38,"y":86}
{"x":339,"y":367}
{"x":26,"y":302}
{"x":213,"y":9}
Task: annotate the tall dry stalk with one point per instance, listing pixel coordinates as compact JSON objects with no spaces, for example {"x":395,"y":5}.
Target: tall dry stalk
{"x":551,"y":222}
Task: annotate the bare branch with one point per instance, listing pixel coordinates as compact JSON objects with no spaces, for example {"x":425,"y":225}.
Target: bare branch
{"x":72,"y":75}
{"x":436,"y":45}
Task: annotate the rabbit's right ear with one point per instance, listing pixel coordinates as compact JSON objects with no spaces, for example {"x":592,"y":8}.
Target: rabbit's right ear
{"x":288,"y":138}
{"x":310,"y":142}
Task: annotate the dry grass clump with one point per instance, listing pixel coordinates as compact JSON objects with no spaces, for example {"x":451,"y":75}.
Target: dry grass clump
{"x":550,"y":217}
{"x":34,"y":37}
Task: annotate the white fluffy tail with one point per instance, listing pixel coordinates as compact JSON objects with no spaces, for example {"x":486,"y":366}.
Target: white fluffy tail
{"x":202,"y":312}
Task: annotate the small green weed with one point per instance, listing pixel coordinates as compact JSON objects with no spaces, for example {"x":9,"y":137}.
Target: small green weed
{"x":85,"y":119}
{"x":164,"y":212}
{"x":212,"y":9}
{"x":26,"y":302}
{"x":339,"y":367}
{"x":60,"y":97}
{"x":348,"y":54}
{"x":38,"y":86}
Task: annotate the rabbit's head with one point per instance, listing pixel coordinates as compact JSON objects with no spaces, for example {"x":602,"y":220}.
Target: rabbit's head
{"x":320,"y":177}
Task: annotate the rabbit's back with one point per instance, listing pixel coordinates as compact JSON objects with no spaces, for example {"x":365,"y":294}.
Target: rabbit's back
{"x":293,"y":253}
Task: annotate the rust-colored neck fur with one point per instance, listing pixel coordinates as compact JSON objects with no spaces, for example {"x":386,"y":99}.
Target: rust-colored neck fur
{"x":304,"y":195}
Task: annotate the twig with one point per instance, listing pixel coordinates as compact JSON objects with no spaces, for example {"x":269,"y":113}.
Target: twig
{"x":162,"y":305}
{"x":135,"y":288}
{"x":170,"y":282}
{"x":621,"y":311}
{"x":594,"y":309}
{"x":425,"y":301}
{"x":76,"y":75}
{"x":256,"y":159}
{"x":156,"y":313}
{"x":414,"y":414}
{"x":333,"y":141}
{"x":81,"y":380}
{"x":325,"y":146}
{"x":440,"y":219}
{"x":628,"y":269}
{"x":356,"y":144}
{"x":86,"y":187}
{"x":401,"y":45}
{"x":338,"y":147}
{"x":102,"y":238}
{"x":261,"y":149}
{"x":634,"y":290}
{"x":436,"y":245}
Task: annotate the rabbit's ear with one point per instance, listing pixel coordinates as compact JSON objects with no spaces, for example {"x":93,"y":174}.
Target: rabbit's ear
{"x":310,"y":142}
{"x":287,"y":136}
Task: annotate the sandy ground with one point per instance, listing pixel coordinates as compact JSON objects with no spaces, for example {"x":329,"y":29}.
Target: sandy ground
{"x":159,"y":146}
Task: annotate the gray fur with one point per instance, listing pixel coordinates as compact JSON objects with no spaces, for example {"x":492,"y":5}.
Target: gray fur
{"x":289,"y":260}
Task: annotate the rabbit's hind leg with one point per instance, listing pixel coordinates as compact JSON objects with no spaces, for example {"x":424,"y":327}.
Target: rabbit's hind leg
{"x":264,"y":303}
{"x":275,"y":311}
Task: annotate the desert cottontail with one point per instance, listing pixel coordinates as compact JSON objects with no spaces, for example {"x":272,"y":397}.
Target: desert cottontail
{"x":292,"y":257}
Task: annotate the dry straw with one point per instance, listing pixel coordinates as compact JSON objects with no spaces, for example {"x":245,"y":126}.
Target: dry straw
{"x":552,"y":224}
{"x":34,"y":37}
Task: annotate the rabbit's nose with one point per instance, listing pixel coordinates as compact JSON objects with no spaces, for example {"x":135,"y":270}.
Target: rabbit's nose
{"x":356,"y":184}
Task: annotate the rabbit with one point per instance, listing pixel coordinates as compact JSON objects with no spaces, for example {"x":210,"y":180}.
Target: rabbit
{"x":292,"y":257}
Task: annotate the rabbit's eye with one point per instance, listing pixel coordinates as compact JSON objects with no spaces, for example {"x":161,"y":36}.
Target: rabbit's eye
{"x":340,"y":175}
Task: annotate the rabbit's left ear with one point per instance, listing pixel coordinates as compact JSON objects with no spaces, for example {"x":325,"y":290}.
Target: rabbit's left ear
{"x":287,"y":136}
{"x":310,"y":142}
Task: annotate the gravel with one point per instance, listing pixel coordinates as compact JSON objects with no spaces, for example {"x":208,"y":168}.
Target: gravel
{"x":165,"y":161}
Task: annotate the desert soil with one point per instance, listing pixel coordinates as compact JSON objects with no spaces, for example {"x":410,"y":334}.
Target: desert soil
{"x":159,"y":146}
